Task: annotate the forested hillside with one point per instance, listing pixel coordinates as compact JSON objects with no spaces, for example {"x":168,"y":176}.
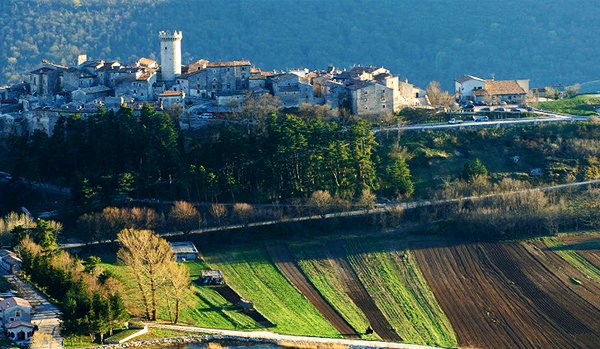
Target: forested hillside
{"x":551,"y":41}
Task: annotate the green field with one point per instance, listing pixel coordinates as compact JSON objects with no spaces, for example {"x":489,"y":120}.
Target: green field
{"x":313,"y":261}
{"x":569,"y":255}
{"x":392,"y":277}
{"x":578,"y":105}
{"x":253,"y":275}
{"x":204,"y":308}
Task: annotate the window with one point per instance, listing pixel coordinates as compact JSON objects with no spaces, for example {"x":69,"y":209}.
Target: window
{"x":18,"y":313}
{"x":228,"y":86}
{"x":243,"y":68}
{"x":383,"y":106}
{"x":165,"y":47}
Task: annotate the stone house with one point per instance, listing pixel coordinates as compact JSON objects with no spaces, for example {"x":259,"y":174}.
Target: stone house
{"x":15,"y":318}
{"x":140,"y":86}
{"x":170,"y":98}
{"x":291,"y":89}
{"x":44,"y":82}
{"x":88,"y":94}
{"x":9,"y":261}
{"x":369,"y":97}
{"x":466,"y":85}
{"x":497,"y":91}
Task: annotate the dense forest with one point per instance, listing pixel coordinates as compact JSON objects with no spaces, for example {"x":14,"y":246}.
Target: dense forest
{"x":120,"y":154}
{"x":550,"y":42}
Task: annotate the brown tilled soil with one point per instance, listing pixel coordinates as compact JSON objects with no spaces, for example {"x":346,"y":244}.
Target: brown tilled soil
{"x":288,"y":267}
{"x":359,"y":295}
{"x":510,"y":295}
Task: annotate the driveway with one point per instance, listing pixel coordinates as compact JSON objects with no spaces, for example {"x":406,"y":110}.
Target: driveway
{"x":44,"y":314}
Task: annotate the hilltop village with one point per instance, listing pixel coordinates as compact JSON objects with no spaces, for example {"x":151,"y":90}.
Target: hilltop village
{"x":205,"y":88}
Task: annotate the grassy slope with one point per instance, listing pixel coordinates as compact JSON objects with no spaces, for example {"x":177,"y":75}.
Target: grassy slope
{"x":578,"y":105}
{"x":204,"y":308}
{"x":313,"y":261}
{"x":573,"y":258}
{"x":395,"y":282}
{"x":252,"y":273}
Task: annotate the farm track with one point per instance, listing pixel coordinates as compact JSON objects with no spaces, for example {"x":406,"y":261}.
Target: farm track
{"x":287,"y":265}
{"x":492,"y":303}
{"x":232,"y":297}
{"x":359,"y":295}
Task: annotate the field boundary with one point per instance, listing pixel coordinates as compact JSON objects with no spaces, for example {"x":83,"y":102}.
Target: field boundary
{"x":358,"y":293}
{"x":287,"y":265}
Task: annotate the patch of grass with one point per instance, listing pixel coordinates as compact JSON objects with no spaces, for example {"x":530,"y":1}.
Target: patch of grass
{"x":79,"y":342}
{"x":574,"y":259}
{"x":578,"y":105}
{"x":394,"y":280}
{"x":123,"y":334}
{"x":154,"y":333}
{"x":252,"y":273}
{"x":204,"y":307}
{"x":312,"y":259}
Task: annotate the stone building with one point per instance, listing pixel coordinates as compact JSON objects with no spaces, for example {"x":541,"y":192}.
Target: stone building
{"x":44,"y":82}
{"x":170,"y":98}
{"x":170,"y":54}
{"x":369,"y":97}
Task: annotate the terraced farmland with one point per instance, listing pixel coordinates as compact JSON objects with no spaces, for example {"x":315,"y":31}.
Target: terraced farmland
{"x":392,"y":277}
{"x":511,"y":295}
{"x":286,"y":263}
{"x":321,"y":271}
{"x":252,"y":274}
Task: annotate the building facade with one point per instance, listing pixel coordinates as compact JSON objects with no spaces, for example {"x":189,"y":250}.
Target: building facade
{"x":170,"y":54}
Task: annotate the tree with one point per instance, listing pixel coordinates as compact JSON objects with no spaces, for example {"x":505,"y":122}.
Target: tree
{"x":218,"y":211}
{"x":474,"y":169}
{"x":178,"y":286}
{"x":437,"y":96}
{"x":321,"y":200}
{"x":367,"y":199}
{"x":147,"y":255}
{"x":184,"y":216}
{"x":125,"y":185}
{"x":551,"y":92}
{"x":398,"y":178}
{"x":572,"y":90}
{"x":243,"y":211}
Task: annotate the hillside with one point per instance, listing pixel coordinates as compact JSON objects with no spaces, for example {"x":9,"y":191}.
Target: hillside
{"x":421,"y":41}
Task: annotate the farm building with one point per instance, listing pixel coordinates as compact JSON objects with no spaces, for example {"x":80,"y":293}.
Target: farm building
{"x":184,"y":250}
{"x":211,"y":277}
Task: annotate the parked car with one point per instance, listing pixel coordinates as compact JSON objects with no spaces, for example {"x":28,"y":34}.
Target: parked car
{"x":480,"y":118}
{"x":484,"y":109}
{"x":499,"y":109}
{"x":467,"y":106}
{"x":479,"y":103}
{"x":455,"y":121}
{"x":515,"y":110}
{"x":207,"y":116}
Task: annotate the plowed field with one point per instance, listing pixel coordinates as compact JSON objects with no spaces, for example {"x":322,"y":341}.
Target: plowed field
{"x":511,"y":295}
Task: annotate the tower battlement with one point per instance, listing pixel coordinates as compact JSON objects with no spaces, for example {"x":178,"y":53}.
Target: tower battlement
{"x":168,"y":35}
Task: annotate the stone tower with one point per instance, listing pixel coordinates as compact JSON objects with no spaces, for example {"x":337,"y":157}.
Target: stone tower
{"x":170,"y":54}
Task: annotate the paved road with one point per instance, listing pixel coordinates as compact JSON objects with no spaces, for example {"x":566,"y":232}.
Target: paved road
{"x":547,"y":117}
{"x":380,"y":208}
{"x":44,"y":314}
{"x":301,"y":340}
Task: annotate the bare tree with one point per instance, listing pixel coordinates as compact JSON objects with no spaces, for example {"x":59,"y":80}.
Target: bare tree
{"x":439,"y":97}
{"x":322,"y":201}
{"x":184,"y":216}
{"x":178,"y":286}
{"x":218,"y":211}
{"x":367,"y":199}
{"x":148,"y":256}
{"x":243,"y":211}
